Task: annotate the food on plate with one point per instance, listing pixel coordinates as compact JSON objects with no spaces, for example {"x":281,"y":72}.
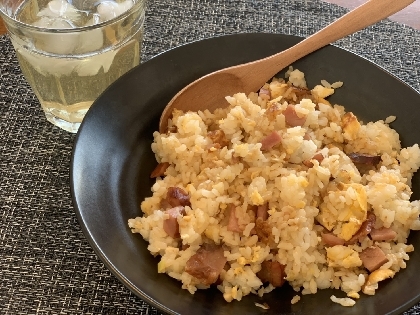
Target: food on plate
{"x":280,"y":186}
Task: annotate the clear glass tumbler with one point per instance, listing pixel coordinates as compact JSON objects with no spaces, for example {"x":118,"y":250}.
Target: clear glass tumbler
{"x":71,"y":50}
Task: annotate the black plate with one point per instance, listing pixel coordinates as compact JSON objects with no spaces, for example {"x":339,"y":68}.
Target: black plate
{"x":112,"y":161}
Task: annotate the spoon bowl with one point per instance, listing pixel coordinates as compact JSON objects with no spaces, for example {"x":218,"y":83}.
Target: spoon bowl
{"x":209,"y":91}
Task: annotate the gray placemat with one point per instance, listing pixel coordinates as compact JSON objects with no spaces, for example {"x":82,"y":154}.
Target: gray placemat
{"x":46,"y":265}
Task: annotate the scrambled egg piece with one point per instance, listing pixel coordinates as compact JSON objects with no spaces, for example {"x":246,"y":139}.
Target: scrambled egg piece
{"x":241,"y":149}
{"x":378,"y":275}
{"x":256,"y":198}
{"x":355,"y":214}
{"x":350,"y":125}
{"x":353,"y":294}
{"x":342,"y":256}
{"x":161,"y":266}
{"x":277,"y":91}
{"x":349,"y":228}
{"x":350,"y":217}
{"x":326,"y":217}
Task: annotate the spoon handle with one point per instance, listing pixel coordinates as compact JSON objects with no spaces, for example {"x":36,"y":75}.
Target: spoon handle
{"x":357,"y":19}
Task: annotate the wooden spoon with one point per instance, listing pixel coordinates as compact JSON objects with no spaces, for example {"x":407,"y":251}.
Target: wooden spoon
{"x":209,"y":91}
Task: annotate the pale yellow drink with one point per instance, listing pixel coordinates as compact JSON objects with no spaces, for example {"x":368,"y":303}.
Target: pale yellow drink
{"x":65,"y":94}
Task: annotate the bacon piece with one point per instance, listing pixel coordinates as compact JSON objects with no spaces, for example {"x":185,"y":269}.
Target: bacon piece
{"x":262,"y":212}
{"x":318,"y":156}
{"x":273,"y":272}
{"x":233,"y":220}
{"x":170,"y":225}
{"x":218,"y":137}
{"x":383,"y":234}
{"x":307,"y":136}
{"x":373,"y":258}
{"x":185,"y":246}
{"x":366,"y":159}
{"x":177,"y":197}
{"x":364,"y":229}
{"x":159,"y":170}
{"x":264,"y":93}
{"x":292,"y":119}
{"x":270,"y":141}
{"x":164,"y":204}
{"x":331,"y":239}
{"x":308,"y":163}
{"x":206,"y":264}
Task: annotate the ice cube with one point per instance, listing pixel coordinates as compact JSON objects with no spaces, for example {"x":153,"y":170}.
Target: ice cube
{"x":91,"y":40}
{"x":58,"y":14}
{"x":56,"y":43}
{"x":60,"y":8}
{"x":111,"y":9}
{"x":56,"y":23}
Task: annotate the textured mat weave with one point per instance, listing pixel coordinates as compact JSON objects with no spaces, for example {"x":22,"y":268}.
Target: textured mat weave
{"x":46,"y":265}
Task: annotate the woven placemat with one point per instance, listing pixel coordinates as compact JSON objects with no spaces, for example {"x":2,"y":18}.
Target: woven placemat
{"x":46,"y":264}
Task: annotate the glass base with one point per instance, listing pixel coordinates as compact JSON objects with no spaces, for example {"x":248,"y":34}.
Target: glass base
{"x":72,"y":127}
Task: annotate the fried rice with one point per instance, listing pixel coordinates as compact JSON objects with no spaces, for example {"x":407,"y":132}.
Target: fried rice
{"x":287,"y":187}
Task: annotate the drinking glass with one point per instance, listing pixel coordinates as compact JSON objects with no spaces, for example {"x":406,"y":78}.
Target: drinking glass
{"x":70,"y":51}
